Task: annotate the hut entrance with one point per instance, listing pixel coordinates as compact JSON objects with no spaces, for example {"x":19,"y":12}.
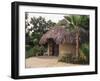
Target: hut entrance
{"x":53,"y":48}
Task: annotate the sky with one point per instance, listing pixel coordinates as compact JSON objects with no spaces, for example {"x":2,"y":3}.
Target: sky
{"x":54,"y":17}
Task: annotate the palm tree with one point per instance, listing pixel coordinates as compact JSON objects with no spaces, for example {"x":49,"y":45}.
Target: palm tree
{"x":75,"y":22}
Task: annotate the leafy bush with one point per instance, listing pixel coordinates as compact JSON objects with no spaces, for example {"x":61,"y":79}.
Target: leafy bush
{"x":27,"y":47}
{"x":29,"y":53}
{"x":82,"y":58}
{"x":35,"y":51}
{"x":84,"y":54}
{"x":43,"y":49}
{"x":62,"y":59}
{"x":67,"y":57}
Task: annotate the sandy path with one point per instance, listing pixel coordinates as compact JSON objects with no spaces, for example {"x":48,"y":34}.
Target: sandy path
{"x":44,"y":61}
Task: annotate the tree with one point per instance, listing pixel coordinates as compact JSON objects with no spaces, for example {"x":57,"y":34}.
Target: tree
{"x":62,"y":23}
{"x":75,"y":22}
{"x":38,"y":26}
{"x":50,"y":24}
{"x":27,"y":32}
{"x":35,"y":27}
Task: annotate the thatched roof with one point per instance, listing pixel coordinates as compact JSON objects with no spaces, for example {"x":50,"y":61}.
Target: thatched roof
{"x":59,"y":35}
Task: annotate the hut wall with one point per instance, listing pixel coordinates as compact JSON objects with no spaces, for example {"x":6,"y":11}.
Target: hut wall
{"x":66,"y":49}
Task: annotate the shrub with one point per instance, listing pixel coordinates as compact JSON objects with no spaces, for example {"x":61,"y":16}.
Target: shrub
{"x":43,"y":49}
{"x":84,"y":54}
{"x":27,"y":47}
{"x":35,"y":51}
{"x":67,"y":57}
{"x":74,"y":59}
{"x":32,"y":52}
{"x":82,"y":58}
{"x":29,"y":53}
{"x":62,"y":59}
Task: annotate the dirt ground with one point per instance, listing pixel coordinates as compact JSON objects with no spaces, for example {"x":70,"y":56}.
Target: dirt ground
{"x":44,"y":61}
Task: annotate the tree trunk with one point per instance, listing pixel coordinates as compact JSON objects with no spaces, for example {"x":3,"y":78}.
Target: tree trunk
{"x":77,"y":44}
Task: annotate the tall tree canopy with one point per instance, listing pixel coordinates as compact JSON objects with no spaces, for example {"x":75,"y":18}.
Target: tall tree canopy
{"x":35,"y":28}
{"x":75,"y":21}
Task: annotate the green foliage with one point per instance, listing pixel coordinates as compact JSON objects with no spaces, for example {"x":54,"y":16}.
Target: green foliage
{"x":35,"y":28}
{"x":75,"y":21}
{"x":84,"y":54}
{"x":35,"y":51}
{"x":29,"y":53}
{"x":50,"y":24}
{"x":62,"y":23}
{"x":27,"y":47}
{"x":85,"y":22}
{"x":43,"y":49}
{"x":85,"y":49}
{"x":62,"y":59}
{"x":40,"y":25}
{"x":67,"y":57}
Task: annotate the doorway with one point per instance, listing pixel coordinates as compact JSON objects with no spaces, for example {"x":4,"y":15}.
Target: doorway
{"x":55,"y":49}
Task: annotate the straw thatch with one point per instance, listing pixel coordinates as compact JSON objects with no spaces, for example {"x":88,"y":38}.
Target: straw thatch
{"x":60,"y":35}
